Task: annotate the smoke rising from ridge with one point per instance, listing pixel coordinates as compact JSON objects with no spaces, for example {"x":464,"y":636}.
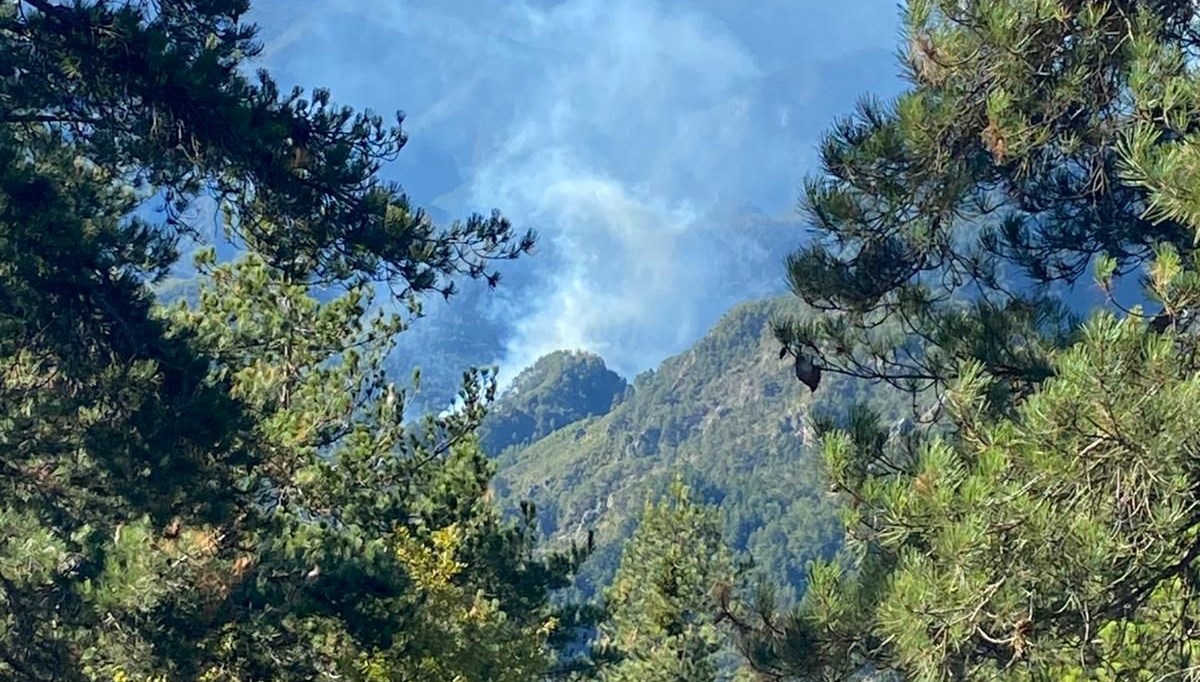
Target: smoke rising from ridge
{"x":629,"y":133}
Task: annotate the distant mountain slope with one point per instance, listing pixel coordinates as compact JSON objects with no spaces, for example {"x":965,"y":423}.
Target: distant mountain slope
{"x":730,"y":416}
{"x":559,"y":389}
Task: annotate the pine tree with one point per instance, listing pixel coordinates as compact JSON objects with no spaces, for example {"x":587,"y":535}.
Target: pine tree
{"x":662,"y":617}
{"x":1059,"y":543}
{"x":374,"y":546}
{"x":181,"y":494}
{"x":947,"y":223}
{"x":1047,"y":529}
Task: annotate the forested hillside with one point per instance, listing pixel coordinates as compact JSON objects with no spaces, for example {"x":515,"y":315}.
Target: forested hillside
{"x":728,"y":415}
{"x":559,"y":389}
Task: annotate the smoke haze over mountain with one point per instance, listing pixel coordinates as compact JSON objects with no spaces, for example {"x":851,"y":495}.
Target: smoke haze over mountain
{"x":653,"y":145}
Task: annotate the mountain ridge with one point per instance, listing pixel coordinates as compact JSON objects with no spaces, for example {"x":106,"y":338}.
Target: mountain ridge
{"x":728,"y":415}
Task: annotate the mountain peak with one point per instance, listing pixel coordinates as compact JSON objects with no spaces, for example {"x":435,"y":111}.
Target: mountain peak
{"x":728,"y":416}
{"x":558,"y":389}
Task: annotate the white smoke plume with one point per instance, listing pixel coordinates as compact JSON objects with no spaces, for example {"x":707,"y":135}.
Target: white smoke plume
{"x":627,"y":132}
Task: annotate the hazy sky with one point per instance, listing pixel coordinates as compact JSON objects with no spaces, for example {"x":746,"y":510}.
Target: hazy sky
{"x":633,"y":135}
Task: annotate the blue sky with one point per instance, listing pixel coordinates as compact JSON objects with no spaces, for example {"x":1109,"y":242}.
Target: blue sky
{"x":638,"y":137}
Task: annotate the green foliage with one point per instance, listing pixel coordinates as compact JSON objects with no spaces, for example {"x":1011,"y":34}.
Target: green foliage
{"x":1035,"y":136}
{"x":231,"y":488}
{"x":463,"y":633}
{"x":1046,"y":529}
{"x":729,"y":417}
{"x":356,"y":548}
{"x":154,"y":96}
{"x":225,"y":490}
{"x":1027,"y":545}
{"x":559,"y":389}
{"x":662,"y":625}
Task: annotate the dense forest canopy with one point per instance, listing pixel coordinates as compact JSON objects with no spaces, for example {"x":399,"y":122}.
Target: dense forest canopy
{"x":224,"y":481}
{"x":1047,"y":529}
{"x":227,"y":491}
